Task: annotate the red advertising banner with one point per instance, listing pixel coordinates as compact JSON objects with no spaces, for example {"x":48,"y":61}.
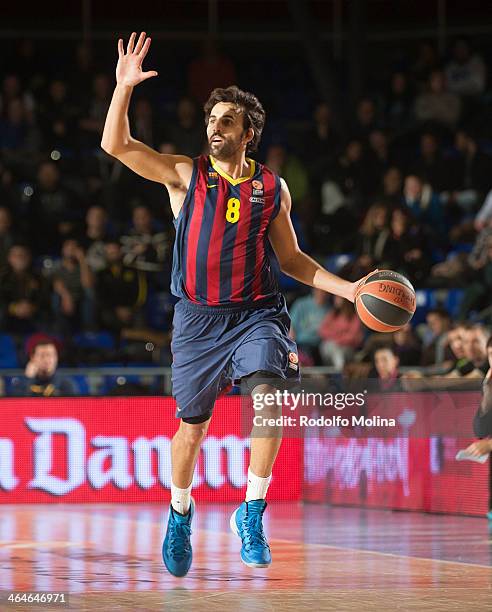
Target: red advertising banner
{"x":398,"y":473}
{"x":118,"y":450}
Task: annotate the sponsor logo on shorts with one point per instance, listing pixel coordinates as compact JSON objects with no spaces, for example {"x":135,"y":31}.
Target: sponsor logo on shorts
{"x":257,"y":185}
{"x":257,"y":200}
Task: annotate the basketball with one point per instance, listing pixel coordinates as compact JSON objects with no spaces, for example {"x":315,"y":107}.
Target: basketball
{"x":385,"y":301}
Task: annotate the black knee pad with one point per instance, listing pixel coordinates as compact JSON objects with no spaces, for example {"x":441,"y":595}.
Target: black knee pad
{"x":262,"y":378}
{"x":201,"y":418}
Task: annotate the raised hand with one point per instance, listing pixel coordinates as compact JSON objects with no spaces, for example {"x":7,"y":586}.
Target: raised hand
{"x":129,"y":68}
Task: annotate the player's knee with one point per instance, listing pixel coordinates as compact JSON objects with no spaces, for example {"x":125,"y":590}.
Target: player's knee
{"x":193,"y":433}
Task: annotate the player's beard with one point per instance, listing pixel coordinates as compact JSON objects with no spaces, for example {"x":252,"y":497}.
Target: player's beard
{"x":225,"y":150}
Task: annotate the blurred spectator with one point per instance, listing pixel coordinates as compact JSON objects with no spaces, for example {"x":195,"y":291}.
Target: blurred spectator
{"x":472,"y":168}
{"x":96,"y":234}
{"x":290,"y":168}
{"x":405,"y":248}
{"x":435,"y":349}
{"x":92,"y":121}
{"x":144,"y":124}
{"x":424,"y":205}
{"x":369,"y":242}
{"x":210,"y":70}
{"x":365,"y":120}
{"x":41,"y":378}
{"x":437,"y":104}
{"x":24,"y":296}
{"x":386,"y":363}
{"x":19,"y":135}
{"x":392,"y":185}
{"x":427,"y":61}
{"x":73,"y":283}
{"x":474,"y":338}
{"x":144,"y":247}
{"x":406,"y":346}
{"x":379,"y":150}
{"x":466,"y":72}
{"x":306,"y":314}
{"x":341,"y":334}
{"x":398,"y":111}
{"x":57,"y":117}
{"x":482,"y":422}
{"x":121,"y":292}
{"x":322,"y":139}
{"x":12,"y":90}
{"x":7,"y":237}
{"x":431,"y":165}
{"x":52,"y":211}
{"x":186,"y":131}
{"x":477,"y":292}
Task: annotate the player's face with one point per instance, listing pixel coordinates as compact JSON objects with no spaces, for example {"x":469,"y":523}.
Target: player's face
{"x":225,"y":131}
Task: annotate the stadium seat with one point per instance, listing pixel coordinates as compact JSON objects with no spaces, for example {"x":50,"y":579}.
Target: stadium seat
{"x":103,"y":340}
{"x":8,"y":352}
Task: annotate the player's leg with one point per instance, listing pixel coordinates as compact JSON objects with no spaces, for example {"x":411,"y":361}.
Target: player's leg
{"x":266,"y":439}
{"x":176,"y":549}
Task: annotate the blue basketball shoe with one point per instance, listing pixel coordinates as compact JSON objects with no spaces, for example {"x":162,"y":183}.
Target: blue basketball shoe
{"x":246,"y":522}
{"x":176,"y":548}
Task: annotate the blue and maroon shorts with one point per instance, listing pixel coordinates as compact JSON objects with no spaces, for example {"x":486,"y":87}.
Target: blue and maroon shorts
{"x":214,"y":347}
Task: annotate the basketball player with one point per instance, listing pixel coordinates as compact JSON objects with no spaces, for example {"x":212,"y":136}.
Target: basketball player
{"x":233,"y":232}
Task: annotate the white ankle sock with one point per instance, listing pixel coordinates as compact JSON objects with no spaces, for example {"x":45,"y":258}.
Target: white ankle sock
{"x":257,"y":486}
{"x":180,"y":499}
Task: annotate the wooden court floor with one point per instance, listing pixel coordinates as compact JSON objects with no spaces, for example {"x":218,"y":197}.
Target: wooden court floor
{"x":108,"y":557}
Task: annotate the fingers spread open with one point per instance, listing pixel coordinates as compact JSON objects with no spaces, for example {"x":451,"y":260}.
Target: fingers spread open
{"x":140,"y":42}
{"x":145,"y":49}
{"x":131,"y":42}
{"x":121,"y":50}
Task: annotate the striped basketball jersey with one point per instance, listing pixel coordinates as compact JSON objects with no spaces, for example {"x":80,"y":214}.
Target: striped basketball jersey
{"x":222,"y":254}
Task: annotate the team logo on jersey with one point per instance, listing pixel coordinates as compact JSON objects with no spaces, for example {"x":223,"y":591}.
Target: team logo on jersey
{"x":257,"y":184}
{"x":257,"y":200}
{"x":293,"y":358}
{"x":213,"y":175}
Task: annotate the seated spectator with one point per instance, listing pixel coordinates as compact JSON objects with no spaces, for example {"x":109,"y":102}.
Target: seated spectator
{"x":424,"y":205}
{"x":53,"y":211}
{"x":96,"y":234}
{"x":431,"y":166}
{"x":366,"y":120}
{"x":406,"y":346}
{"x":306,"y":314}
{"x":341,"y":334}
{"x":7,"y":237}
{"x":477,"y":292}
{"x":185,"y":132}
{"x":405,"y":248}
{"x":386,"y":363}
{"x":210,"y":70}
{"x":322,"y":140}
{"x":482,"y":422}
{"x":398,"y":115}
{"x":437,"y":104}
{"x":24,"y":295}
{"x":57,"y":117}
{"x":475,"y":338}
{"x":73,"y":284}
{"x":392,"y":186}
{"x":121,"y":292}
{"x":144,"y":124}
{"x":291,"y":169}
{"x":370,"y":242}
{"x":93,"y":116}
{"x":435,"y":349}
{"x":19,"y":135}
{"x":466,"y":72}
{"x":41,"y":378}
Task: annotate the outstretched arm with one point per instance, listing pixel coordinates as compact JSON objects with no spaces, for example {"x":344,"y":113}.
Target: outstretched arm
{"x":174,"y":171}
{"x":295,"y":262}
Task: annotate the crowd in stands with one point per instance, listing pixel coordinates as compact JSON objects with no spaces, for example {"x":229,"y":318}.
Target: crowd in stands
{"x":401,"y":180}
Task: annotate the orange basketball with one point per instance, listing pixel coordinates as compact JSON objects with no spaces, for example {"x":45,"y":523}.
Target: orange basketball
{"x":385,"y":302}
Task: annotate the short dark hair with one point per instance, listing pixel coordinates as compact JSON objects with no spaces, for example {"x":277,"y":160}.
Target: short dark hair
{"x":254,"y":113}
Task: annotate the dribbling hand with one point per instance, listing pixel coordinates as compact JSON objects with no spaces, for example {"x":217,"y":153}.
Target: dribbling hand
{"x":129,"y":68}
